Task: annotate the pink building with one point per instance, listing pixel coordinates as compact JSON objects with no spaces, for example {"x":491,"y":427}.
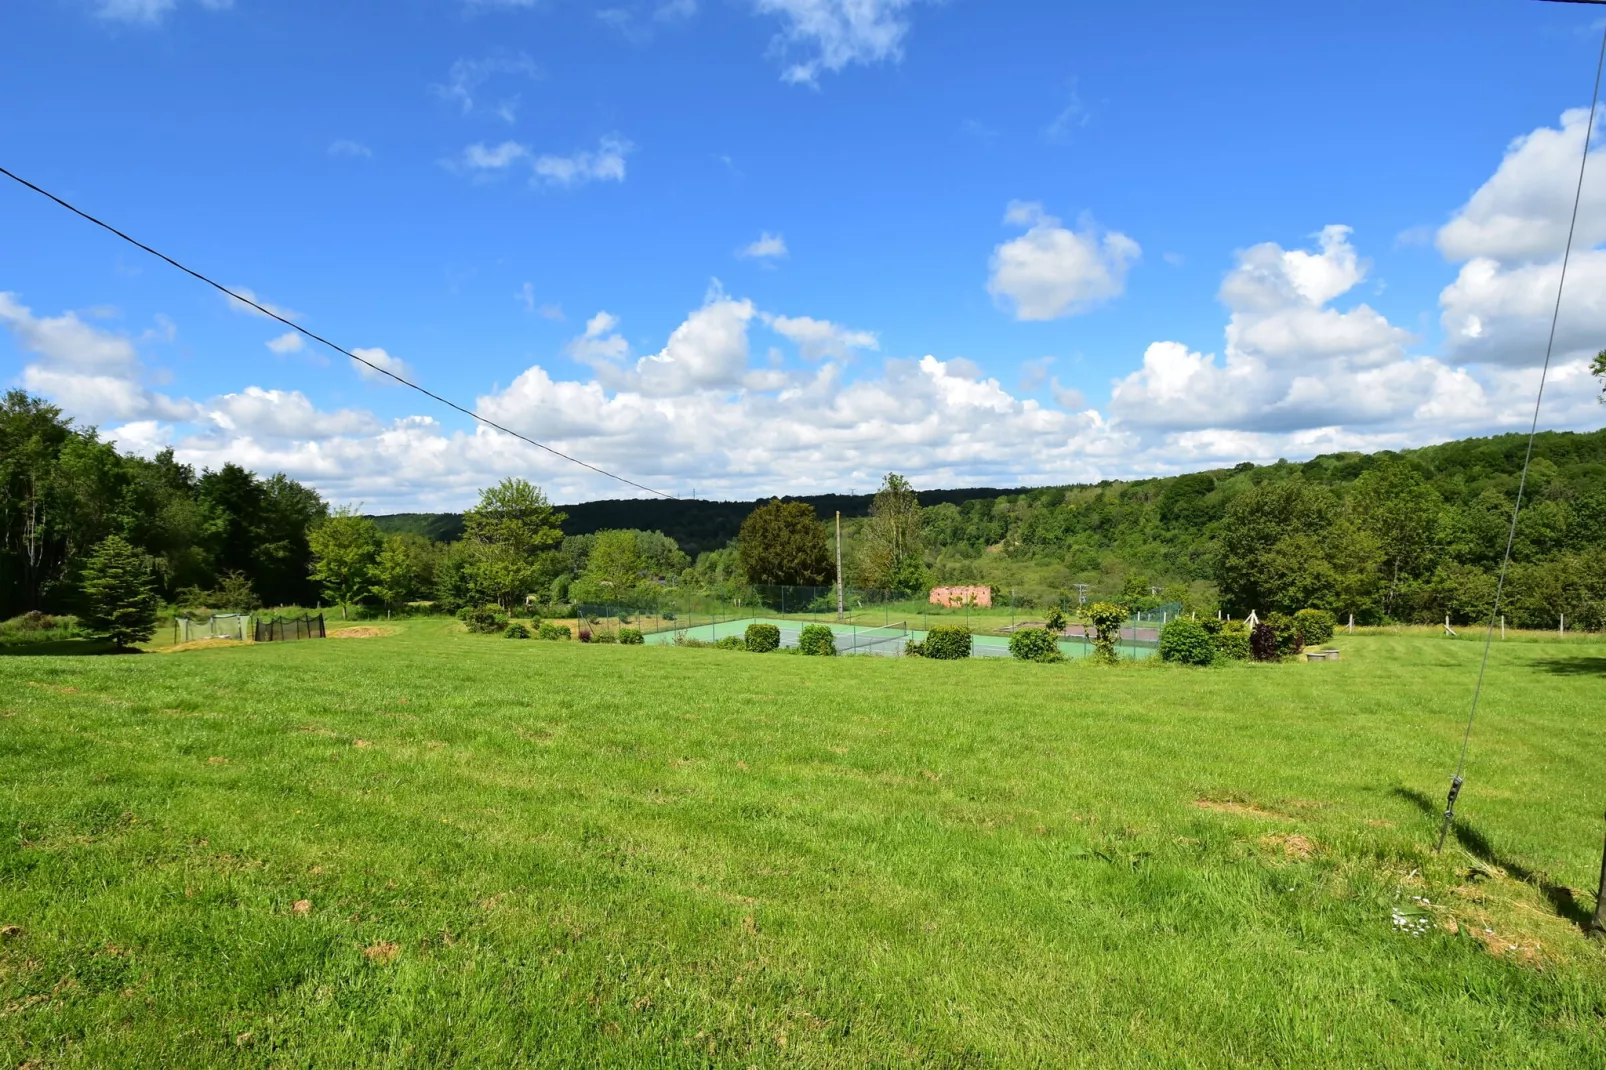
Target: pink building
{"x":958,"y":597}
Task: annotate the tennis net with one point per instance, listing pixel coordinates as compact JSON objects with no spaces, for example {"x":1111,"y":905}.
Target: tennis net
{"x":887,"y":639}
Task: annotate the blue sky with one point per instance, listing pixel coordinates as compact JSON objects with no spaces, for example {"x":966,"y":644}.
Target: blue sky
{"x":756,"y":246}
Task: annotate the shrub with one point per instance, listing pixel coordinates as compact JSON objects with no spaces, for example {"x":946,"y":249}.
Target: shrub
{"x":1035,"y":644}
{"x":1232,"y":641}
{"x":682,"y":639}
{"x":516,"y":631}
{"x":1286,"y":630}
{"x":482,"y":620}
{"x":1186,"y":642}
{"x":1263,"y":643}
{"x":35,"y":621}
{"x":731,"y":642}
{"x":554,"y":631}
{"x":631,"y":637}
{"x":946,"y":643}
{"x":604,"y":637}
{"x":912,"y":649}
{"x":762,"y":638}
{"x":817,"y":640}
{"x":1212,"y":626}
{"x":1056,"y":621}
{"x":1106,"y":619}
{"x":585,"y":634}
{"x":1316,"y":626}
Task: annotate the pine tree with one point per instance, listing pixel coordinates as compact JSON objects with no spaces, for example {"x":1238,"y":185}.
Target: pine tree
{"x":117,"y":592}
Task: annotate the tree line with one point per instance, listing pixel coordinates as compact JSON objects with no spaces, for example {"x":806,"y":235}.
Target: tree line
{"x":1409,"y":536}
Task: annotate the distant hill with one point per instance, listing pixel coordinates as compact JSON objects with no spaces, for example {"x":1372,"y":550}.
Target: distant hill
{"x":695,"y":524}
{"x":1459,"y":469}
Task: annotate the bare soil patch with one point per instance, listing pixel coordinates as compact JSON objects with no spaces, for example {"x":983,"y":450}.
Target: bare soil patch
{"x":1237,"y":808}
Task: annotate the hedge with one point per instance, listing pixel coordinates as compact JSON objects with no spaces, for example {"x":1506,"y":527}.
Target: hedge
{"x":817,"y":640}
{"x":945,"y":643}
{"x":1316,"y":626}
{"x":762,"y":638}
{"x":1186,"y":642}
{"x":631,"y":636}
{"x":1035,"y":644}
{"x":554,"y":631}
{"x":516,"y":631}
{"x":1232,"y":641}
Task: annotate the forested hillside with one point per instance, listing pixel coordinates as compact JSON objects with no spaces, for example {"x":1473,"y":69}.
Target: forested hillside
{"x":1413,"y":535}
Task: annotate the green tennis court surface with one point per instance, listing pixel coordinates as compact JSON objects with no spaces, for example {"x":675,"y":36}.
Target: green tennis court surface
{"x":885,"y":641}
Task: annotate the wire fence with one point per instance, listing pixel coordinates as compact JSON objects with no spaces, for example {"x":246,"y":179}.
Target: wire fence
{"x":289,"y":629}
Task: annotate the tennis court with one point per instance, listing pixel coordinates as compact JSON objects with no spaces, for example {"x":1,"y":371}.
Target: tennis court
{"x":883,"y":641}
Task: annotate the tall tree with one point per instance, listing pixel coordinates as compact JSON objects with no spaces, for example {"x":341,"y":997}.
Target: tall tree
{"x":1248,"y":569}
{"x":118,"y":601}
{"x":890,"y":554}
{"x":395,"y":572}
{"x":783,"y":544}
{"x":344,"y":548}
{"x":1401,"y":511}
{"x":507,"y":531}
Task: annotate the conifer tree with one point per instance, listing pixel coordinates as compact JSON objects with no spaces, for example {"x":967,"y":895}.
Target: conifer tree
{"x":117,"y":592}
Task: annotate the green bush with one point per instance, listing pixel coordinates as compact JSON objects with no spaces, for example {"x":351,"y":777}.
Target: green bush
{"x":516,"y":631}
{"x":762,"y":638}
{"x":1232,"y":641}
{"x":1106,"y":619}
{"x":554,"y":631}
{"x":946,"y":643}
{"x":1186,"y":642}
{"x":817,"y":640}
{"x":1035,"y":644}
{"x":1316,"y":626}
{"x":604,"y":637}
{"x":682,"y":639}
{"x":631,"y":637}
{"x":1056,"y":621}
{"x":1286,"y":630}
{"x":482,"y":620}
{"x":731,"y":642}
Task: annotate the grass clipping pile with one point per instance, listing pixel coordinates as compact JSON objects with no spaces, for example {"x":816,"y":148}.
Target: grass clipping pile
{"x":364,"y":632}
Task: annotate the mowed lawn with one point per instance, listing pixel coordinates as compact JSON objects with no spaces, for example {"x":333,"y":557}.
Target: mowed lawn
{"x":431,"y":848}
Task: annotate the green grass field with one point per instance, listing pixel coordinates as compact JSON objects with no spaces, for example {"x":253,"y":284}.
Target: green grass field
{"x":432,"y":848}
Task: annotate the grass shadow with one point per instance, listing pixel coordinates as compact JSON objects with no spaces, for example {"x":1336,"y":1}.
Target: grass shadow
{"x":61,"y":648}
{"x":1561,"y":898}
{"x":1573,"y":666}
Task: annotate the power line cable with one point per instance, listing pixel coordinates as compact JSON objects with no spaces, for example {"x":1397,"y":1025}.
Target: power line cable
{"x":1533,"y":431}
{"x":319,"y":338}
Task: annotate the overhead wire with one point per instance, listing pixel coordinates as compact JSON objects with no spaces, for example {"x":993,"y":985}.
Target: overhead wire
{"x":1458,"y":780}
{"x":268,"y":312}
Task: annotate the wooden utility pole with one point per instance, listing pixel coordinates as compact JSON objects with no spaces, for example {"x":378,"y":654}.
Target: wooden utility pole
{"x":839,"y":564}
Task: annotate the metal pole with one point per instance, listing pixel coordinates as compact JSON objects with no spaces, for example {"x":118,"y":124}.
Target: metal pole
{"x":839,"y":564}
{"x":1597,"y":924}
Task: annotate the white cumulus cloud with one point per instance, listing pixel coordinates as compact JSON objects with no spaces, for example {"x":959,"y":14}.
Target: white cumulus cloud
{"x":1051,"y":271}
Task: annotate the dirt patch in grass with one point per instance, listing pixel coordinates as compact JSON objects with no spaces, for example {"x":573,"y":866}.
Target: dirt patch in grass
{"x":1293,"y":845}
{"x":1239,"y":809}
{"x":384,"y":951}
{"x":362,"y":633}
{"x":201,"y":644}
